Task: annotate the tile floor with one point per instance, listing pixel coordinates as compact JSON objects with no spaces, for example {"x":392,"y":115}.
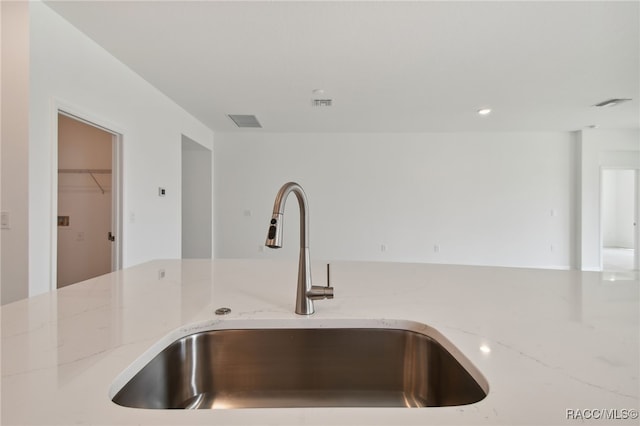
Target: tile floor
{"x":617,"y":264}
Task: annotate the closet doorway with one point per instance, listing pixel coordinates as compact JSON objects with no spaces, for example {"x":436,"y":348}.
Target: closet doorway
{"x":88,"y":201}
{"x":619,"y":220}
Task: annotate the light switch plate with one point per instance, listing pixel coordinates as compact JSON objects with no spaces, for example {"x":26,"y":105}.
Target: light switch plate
{"x":5,"y":221}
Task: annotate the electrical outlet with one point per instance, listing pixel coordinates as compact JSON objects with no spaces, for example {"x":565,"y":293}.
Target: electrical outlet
{"x":162,"y":192}
{"x":436,"y":248}
{"x":383,"y":247}
{"x":161,"y":274}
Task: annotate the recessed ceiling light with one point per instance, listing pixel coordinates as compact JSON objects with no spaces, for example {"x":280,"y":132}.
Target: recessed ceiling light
{"x":612,"y":102}
{"x":484,"y":111}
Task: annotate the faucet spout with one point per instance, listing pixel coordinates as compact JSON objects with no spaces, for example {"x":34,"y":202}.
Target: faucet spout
{"x":306,"y":292}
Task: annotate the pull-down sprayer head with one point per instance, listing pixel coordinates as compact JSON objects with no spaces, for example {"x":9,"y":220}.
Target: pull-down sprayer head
{"x":274,"y":234}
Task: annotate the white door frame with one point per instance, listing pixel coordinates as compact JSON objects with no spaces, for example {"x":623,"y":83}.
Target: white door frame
{"x":116,"y":176}
{"x":116,"y":201}
{"x":636,"y":223}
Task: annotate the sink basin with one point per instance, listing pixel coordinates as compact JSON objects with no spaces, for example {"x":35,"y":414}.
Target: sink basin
{"x":304,"y":367}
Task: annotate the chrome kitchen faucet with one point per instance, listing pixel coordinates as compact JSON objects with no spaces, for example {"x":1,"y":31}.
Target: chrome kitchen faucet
{"x":306,"y":292}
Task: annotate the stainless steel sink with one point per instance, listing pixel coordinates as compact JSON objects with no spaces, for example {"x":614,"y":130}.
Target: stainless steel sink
{"x":303,"y":367}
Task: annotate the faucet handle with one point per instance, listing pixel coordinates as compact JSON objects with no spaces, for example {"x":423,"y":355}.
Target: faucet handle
{"x":320,"y":292}
{"x":328,"y":292}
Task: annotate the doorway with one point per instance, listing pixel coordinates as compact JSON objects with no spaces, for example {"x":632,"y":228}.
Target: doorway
{"x":196,"y":200}
{"x":87,"y":201}
{"x":619,"y":220}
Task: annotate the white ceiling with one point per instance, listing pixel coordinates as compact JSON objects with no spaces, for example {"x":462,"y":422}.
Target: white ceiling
{"x":389,"y":66}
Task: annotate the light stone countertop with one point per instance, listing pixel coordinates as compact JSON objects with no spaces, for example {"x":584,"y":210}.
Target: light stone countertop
{"x":559,"y":342}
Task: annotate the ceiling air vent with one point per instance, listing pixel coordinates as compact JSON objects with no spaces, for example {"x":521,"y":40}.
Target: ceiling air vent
{"x":612,"y":102}
{"x":245,"y":121}
{"x":321,"y":102}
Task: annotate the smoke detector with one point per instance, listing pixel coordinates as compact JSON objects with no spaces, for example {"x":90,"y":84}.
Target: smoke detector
{"x":321,"y":102}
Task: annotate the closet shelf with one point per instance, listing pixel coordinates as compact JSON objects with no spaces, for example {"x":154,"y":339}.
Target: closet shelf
{"x":90,"y":172}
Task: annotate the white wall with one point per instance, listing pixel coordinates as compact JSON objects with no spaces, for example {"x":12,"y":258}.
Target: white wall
{"x":483,"y":198}
{"x":618,"y":208}
{"x":70,"y":69}
{"x":197,"y":204}
{"x":600,"y":149}
{"x":14,"y":152}
{"x":83,"y":248}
